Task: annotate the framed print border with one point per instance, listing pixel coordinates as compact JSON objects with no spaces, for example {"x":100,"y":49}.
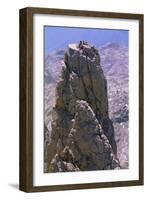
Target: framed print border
{"x":26,"y":99}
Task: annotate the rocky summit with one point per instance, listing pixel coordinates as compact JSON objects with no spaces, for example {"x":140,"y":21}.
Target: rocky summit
{"x":82,"y":134}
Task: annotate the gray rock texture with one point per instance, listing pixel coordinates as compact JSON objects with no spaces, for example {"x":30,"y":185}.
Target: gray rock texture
{"x":82,"y":134}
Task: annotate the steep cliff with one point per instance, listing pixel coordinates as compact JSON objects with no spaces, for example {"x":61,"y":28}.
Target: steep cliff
{"x":82,"y":136}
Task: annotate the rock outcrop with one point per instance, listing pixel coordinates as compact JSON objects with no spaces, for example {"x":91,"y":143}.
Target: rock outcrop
{"x":82,"y":136}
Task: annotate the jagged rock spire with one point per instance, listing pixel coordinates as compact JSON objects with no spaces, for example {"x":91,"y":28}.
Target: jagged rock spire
{"x":81,"y":127}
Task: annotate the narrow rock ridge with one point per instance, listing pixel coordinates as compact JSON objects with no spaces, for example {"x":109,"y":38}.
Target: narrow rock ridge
{"x":82,"y":136}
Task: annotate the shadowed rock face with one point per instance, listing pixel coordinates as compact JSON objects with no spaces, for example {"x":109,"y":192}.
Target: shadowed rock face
{"x":82,"y":136}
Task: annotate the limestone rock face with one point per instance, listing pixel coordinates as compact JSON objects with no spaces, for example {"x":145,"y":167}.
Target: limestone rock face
{"x":82,"y":136}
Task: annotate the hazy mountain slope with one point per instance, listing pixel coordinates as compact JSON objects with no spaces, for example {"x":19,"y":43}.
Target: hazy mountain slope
{"x":114,"y":61}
